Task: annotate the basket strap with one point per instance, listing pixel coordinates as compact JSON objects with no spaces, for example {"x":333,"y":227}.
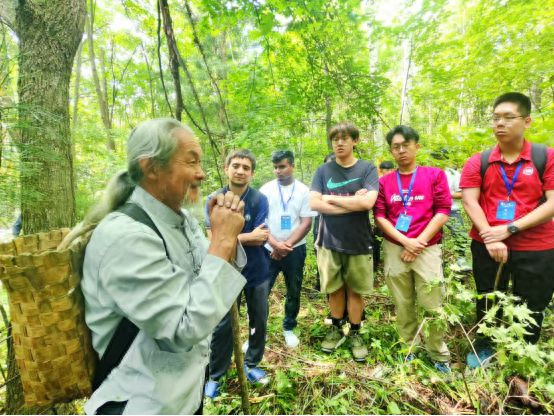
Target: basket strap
{"x":126,"y":331}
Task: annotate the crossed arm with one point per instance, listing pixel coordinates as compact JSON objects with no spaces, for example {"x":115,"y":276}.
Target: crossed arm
{"x":335,"y":204}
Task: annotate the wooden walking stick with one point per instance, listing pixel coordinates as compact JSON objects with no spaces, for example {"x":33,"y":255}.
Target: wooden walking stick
{"x":237,"y":349}
{"x":239,"y":359}
{"x":498,"y":274}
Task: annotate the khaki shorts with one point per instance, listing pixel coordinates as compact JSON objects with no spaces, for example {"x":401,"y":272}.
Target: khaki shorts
{"x":337,"y":269}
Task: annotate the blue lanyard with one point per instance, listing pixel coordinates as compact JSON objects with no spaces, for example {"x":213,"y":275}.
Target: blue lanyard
{"x":405,"y":198}
{"x":283,"y":203}
{"x":510,"y":186}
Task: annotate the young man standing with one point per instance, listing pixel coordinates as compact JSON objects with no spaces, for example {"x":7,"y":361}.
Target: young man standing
{"x":511,"y":223}
{"x":413,"y":204}
{"x":289,"y":221}
{"x":239,"y":168}
{"x":344,"y":255}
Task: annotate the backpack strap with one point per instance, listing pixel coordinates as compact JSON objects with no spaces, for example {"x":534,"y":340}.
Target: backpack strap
{"x":485,"y":154}
{"x":538,"y":156}
{"x":126,"y":331}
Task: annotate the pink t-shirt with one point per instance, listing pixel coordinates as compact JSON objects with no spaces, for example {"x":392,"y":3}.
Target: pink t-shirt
{"x":430,"y":196}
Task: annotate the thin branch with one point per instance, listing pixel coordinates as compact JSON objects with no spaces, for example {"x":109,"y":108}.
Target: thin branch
{"x":205,"y":61}
{"x":159,"y":35}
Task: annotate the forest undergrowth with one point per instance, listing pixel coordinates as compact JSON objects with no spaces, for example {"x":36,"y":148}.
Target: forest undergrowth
{"x":307,"y":381}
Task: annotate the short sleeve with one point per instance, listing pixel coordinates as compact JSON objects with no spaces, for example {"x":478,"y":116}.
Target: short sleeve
{"x":317,"y":182}
{"x":371,"y":179}
{"x":379,"y":208}
{"x":262,"y":211}
{"x":471,"y":173}
{"x":305,"y":210}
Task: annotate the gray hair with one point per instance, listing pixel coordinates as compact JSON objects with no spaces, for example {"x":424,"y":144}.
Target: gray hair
{"x":154,"y":140}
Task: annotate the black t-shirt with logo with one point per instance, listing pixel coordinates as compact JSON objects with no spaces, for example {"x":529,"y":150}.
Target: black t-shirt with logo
{"x":346,"y":233}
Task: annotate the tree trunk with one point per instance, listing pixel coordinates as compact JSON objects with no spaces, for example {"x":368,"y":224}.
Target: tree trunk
{"x":407,"y":64}
{"x":48,"y":41}
{"x":101,"y":94}
{"x":49,"y":34}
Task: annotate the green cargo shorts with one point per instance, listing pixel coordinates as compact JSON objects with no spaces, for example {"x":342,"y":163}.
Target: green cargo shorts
{"x":337,"y":269}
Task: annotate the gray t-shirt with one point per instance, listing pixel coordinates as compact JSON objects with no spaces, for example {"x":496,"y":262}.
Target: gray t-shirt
{"x":346,"y":233}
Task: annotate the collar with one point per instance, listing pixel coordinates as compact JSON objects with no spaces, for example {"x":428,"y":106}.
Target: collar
{"x":525,"y":154}
{"x":157,"y":208}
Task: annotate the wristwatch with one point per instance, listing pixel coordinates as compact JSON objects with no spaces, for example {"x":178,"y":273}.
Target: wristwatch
{"x":512,"y":228}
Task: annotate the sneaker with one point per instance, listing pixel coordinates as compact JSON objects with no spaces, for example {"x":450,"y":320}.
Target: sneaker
{"x":442,"y":366}
{"x":245,"y":347}
{"x":333,"y":339}
{"x":256,"y":375}
{"x":291,"y":340}
{"x":482,"y":359}
{"x":409,"y":358}
{"x":358,"y":348}
{"x":211,"y":389}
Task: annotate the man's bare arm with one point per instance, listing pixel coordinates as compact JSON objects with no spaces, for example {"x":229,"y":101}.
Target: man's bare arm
{"x":300,"y":232}
{"x":470,"y":202}
{"x":353,"y":203}
{"x":317,"y":204}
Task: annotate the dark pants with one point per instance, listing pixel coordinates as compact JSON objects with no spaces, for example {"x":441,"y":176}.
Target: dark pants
{"x":532,"y":276}
{"x":222,"y":339}
{"x":292,"y":267}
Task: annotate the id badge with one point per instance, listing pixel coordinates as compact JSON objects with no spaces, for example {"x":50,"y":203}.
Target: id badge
{"x":506,"y":210}
{"x":286,"y":222}
{"x":403,"y":222}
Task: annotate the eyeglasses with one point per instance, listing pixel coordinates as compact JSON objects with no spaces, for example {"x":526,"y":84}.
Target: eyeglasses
{"x":397,"y":147}
{"x":507,"y":118}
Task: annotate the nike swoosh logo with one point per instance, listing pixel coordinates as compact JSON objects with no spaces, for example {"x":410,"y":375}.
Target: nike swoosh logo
{"x":334,"y":185}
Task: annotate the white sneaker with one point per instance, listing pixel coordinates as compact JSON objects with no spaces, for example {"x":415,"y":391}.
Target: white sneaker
{"x":291,"y":340}
{"x":245,"y":347}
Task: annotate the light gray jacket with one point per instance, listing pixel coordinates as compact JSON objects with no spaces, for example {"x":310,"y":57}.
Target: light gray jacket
{"x":176,"y":304}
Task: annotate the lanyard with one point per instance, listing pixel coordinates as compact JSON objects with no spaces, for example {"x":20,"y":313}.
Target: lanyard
{"x":510,"y":186}
{"x":405,"y":198}
{"x":283,"y":203}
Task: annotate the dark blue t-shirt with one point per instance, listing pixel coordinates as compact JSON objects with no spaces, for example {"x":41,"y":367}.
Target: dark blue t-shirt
{"x":346,"y":233}
{"x":256,"y":209}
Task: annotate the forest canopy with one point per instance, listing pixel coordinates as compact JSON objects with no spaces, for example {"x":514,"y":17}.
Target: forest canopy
{"x":276,"y":74}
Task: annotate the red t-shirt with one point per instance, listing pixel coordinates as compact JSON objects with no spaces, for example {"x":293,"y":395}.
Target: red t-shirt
{"x":430,"y":196}
{"x":527,"y":194}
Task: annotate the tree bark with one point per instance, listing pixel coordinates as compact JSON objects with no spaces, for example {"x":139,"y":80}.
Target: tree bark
{"x":76,"y":87}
